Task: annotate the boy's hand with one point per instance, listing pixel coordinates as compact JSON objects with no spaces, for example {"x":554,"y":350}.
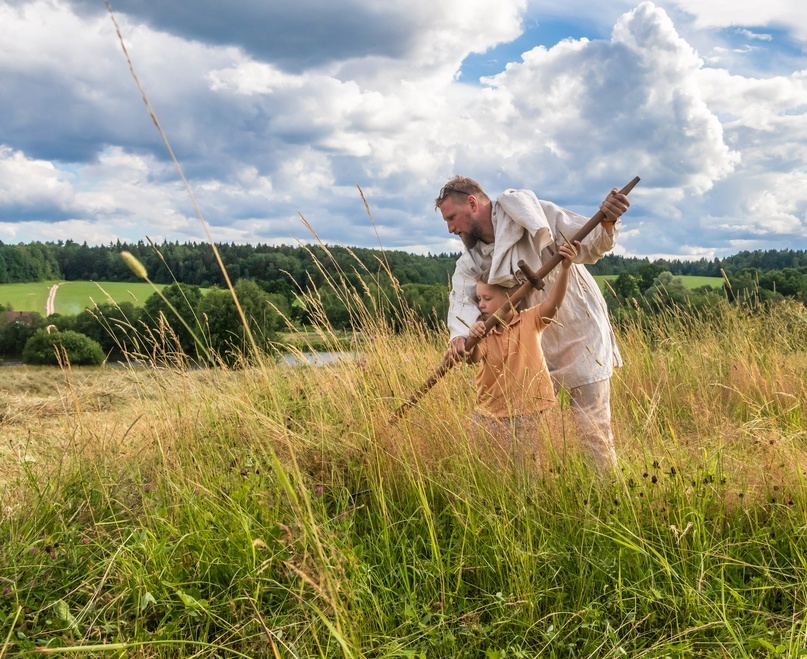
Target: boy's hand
{"x":478,"y":330}
{"x":569,"y":253}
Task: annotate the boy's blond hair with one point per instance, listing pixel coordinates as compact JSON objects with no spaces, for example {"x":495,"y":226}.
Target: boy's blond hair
{"x":483,"y":278}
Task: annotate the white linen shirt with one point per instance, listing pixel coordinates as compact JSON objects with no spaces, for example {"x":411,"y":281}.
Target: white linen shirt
{"x":579,"y":346}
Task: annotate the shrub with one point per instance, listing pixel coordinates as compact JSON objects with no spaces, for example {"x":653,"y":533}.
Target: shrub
{"x":15,"y":332}
{"x":52,"y":347}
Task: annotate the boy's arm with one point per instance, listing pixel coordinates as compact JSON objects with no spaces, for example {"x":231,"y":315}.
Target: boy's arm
{"x":475,"y":354}
{"x":549,"y":307}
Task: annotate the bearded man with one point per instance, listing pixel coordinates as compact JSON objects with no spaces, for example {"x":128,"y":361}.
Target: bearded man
{"x":580,"y":346}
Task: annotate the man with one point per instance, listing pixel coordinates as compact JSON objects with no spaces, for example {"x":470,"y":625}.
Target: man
{"x":580,"y":346}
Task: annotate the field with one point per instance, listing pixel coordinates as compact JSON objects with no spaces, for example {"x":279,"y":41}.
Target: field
{"x":690,"y":282}
{"x":26,"y":297}
{"x":279,"y":511}
{"x":72,"y":297}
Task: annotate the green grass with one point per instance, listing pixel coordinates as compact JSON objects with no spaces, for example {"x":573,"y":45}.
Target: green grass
{"x":274,"y":511}
{"x":73,"y":297}
{"x":26,"y":297}
{"x":696,"y":282}
{"x":690,"y":282}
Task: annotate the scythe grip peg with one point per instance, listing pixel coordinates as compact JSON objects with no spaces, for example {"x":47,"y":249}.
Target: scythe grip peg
{"x":532,"y":277}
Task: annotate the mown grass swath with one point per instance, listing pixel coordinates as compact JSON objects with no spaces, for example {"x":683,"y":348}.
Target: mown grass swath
{"x":173,"y":513}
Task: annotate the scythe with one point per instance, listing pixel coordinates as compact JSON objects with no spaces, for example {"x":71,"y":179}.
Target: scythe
{"x":534,"y":280}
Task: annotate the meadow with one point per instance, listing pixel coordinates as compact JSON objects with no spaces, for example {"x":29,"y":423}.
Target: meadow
{"x":281,"y":512}
{"x":72,"y":297}
{"x":690,"y":281}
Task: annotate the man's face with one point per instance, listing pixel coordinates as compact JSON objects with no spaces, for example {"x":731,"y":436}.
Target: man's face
{"x":460,"y":220}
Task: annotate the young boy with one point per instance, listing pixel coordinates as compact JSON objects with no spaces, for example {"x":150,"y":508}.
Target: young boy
{"x":513,"y":386}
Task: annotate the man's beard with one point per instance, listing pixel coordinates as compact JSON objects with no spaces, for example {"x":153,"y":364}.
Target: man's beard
{"x":468,"y":240}
{"x":471,"y":239}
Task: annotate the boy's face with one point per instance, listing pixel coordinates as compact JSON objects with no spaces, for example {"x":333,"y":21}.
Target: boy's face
{"x":489,"y":299}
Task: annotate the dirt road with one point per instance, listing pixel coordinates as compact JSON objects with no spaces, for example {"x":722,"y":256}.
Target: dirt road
{"x":49,"y":305}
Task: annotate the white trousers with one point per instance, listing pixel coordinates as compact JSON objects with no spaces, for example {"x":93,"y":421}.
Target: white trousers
{"x":591,"y":410}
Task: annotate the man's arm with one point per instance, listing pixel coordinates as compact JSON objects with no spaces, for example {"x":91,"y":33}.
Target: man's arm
{"x":462,"y":309}
{"x":565,"y":224}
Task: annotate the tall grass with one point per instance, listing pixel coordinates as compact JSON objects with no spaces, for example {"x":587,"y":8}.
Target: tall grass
{"x":277,"y":511}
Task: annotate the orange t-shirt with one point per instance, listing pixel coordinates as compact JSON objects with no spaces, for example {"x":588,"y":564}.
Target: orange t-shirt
{"x":513,"y":378}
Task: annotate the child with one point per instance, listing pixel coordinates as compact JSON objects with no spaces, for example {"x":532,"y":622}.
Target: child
{"x":513,"y":386}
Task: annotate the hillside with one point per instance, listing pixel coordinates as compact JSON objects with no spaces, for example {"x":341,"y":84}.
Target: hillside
{"x":278,"y":512}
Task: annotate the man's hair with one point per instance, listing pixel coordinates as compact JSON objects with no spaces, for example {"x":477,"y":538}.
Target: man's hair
{"x":460,"y":186}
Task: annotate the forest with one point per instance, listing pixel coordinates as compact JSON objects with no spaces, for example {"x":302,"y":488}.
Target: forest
{"x":276,"y":267}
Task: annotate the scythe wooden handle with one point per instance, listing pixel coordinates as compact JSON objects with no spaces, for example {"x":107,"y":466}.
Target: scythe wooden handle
{"x":522,"y":290}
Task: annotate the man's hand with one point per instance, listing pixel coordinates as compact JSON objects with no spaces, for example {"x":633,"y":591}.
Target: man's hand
{"x":456,"y":350}
{"x":614,"y":205}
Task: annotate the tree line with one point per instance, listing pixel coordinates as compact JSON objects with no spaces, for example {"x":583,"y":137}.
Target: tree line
{"x":759,"y":260}
{"x":286,"y":270}
{"x":274,"y":285}
{"x":277,"y":266}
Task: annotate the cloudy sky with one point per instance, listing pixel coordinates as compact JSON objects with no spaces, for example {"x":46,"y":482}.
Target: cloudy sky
{"x":282,"y":109}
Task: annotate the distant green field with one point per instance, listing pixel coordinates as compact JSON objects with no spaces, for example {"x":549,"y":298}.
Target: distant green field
{"x":26,"y":297}
{"x":72,"y":297}
{"x":689,"y":281}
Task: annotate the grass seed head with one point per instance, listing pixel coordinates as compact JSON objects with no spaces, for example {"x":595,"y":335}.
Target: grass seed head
{"x":134,"y":264}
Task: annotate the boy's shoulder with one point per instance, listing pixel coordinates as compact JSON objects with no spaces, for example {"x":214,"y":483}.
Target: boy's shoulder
{"x":530,"y":316}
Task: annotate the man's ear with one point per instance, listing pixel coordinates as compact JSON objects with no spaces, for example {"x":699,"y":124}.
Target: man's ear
{"x":473,"y":202}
